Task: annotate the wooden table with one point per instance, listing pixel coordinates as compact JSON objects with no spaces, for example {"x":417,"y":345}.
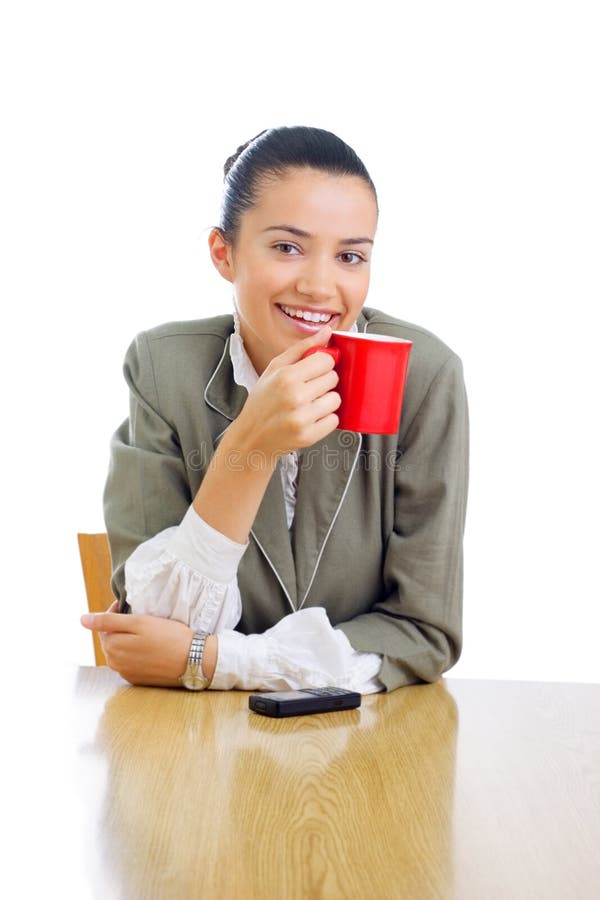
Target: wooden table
{"x":460,"y":789}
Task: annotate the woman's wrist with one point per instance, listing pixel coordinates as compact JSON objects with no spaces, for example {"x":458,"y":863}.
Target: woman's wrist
{"x":241,"y":448}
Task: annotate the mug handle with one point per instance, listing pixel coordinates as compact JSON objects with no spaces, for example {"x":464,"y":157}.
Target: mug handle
{"x":333,"y":352}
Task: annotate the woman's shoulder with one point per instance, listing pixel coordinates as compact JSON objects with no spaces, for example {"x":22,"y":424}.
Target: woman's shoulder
{"x":178,"y":351}
{"x":195,"y":338}
{"x":216,"y":326}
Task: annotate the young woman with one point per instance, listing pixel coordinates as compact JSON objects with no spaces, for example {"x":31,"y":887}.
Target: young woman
{"x":254,"y":544}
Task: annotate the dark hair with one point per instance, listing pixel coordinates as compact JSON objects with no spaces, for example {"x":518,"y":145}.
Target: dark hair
{"x":269,"y":154}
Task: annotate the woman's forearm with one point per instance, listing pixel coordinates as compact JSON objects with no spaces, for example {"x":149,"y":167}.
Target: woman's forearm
{"x":234,"y":485}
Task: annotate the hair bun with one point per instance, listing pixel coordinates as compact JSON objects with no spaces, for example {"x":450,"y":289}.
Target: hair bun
{"x":232,"y":159}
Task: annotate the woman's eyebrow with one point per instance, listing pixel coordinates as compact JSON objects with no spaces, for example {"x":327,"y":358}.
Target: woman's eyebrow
{"x":299,"y":233}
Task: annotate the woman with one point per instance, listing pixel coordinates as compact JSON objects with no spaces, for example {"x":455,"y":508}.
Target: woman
{"x":247,"y":533}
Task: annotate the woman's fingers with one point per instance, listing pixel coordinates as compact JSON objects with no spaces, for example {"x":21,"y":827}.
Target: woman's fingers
{"x":314,"y":366}
{"x":323,"y":427}
{"x":324,"y":405}
{"x":321,"y":385}
{"x":110,"y":622}
{"x":294,"y":353}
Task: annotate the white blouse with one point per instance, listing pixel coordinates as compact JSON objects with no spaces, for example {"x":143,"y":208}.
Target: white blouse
{"x":189,"y":572}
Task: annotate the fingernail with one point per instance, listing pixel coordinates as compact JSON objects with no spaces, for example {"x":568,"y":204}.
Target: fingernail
{"x":87,"y":619}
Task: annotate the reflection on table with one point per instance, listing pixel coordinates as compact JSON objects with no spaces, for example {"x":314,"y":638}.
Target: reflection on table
{"x":191,"y":795}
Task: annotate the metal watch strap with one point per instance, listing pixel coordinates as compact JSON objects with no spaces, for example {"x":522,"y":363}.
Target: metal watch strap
{"x":193,"y":678}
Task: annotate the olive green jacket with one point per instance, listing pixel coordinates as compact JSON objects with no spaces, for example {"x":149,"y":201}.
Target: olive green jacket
{"x":378,"y":525}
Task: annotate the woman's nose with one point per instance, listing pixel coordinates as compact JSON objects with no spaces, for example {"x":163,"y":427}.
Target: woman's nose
{"x":317,"y":281}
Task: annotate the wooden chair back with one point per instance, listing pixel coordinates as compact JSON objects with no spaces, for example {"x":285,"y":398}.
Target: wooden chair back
{"x":94,"y":550}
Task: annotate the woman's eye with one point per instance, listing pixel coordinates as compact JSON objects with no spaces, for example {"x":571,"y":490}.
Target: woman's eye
{"x":357,"y":258}
{"x":286,"y":248}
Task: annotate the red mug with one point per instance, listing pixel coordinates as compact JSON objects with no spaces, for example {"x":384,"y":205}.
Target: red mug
{"x":372,"y":374}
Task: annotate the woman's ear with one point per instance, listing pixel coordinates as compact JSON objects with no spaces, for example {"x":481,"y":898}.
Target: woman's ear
{"x":220,"y":253}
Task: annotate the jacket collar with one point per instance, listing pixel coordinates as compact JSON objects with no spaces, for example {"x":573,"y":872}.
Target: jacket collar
{"x":222,"y":393}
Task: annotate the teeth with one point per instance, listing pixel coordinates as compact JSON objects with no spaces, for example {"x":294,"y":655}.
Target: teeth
{"x":306,"y":315}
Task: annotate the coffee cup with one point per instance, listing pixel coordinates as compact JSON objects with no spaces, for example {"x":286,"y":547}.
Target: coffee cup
{"x":372,"y":374}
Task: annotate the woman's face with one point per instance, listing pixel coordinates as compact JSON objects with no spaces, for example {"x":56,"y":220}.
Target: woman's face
{"x":305,"y":248}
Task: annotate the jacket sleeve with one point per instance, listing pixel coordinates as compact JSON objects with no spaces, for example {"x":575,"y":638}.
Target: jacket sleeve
{"x":417,"y":624}
{"x":147,"y":488}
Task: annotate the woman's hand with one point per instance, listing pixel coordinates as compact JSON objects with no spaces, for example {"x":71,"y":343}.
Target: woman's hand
{"x":292,"y":404}
{"x":142,"y":649}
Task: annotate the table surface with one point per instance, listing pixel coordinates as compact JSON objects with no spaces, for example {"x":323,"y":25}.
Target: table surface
{"x":459,"y":789}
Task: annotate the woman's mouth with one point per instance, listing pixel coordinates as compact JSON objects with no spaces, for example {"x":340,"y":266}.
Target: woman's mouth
{"x":308,"y":319}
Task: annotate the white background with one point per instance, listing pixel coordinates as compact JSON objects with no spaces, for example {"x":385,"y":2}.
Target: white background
{"x":479,"y":125}
{"x":478,"y":122}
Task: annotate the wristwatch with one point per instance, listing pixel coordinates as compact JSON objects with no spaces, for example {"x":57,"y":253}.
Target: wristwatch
{"x":193,"y":678}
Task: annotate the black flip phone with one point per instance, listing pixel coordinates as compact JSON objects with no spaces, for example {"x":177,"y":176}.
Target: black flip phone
{"x":304,"y":702}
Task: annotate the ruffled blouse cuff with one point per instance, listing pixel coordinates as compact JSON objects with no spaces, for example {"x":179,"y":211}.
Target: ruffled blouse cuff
{"x":302,"y":650}
{"x":205,"y":549}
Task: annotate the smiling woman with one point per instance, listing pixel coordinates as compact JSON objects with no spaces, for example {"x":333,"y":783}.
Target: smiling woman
{"x":266,"y":567}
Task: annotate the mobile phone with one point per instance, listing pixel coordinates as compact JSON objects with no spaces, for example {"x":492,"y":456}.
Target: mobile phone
{"x":304,"y":702}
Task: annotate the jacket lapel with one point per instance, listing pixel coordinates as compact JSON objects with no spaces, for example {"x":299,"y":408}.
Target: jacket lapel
{"x":222,"y":393}
{"x":270,"y":531}
{"x":324,"y":478}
